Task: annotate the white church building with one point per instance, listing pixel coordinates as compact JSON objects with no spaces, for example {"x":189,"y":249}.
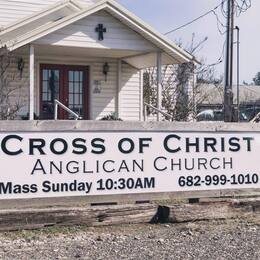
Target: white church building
{"x":86,"y":55}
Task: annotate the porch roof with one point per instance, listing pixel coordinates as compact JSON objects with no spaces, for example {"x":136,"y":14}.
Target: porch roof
{"x":55,"y":18}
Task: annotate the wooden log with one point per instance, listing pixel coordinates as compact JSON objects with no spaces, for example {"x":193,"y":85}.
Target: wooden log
{"x":18,"y":219}
{"x":210,"y":211}
{"x":34,"y":218}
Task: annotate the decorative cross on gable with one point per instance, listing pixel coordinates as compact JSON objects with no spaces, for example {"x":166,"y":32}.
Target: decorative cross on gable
{"x":101,"y":30}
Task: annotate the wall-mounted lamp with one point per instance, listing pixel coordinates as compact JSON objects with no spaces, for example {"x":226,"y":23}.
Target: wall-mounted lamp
{"x":105,"y":70}
{"x":20,"y":66}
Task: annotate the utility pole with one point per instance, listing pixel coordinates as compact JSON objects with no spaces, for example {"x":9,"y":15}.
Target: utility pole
{"x":228,"y":92}
{"x":232,"y":44}
{"x":238,"y":70}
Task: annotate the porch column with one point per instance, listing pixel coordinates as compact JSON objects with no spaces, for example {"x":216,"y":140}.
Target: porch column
{"x":119,"y":86}
{"x":31,"y":90}
{"x":159,"y":84}
{"x":141,"y":84}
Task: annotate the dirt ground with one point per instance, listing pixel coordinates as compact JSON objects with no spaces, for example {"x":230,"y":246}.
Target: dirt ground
{"x":237,"y":239}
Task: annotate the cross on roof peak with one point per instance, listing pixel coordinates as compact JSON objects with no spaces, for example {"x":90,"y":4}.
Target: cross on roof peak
{"x":101,"y":30}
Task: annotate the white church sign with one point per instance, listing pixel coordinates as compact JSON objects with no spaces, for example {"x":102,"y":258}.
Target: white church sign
{"x":55,"y":164}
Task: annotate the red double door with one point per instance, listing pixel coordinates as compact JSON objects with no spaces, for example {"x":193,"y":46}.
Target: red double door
{"x":67,"y":84}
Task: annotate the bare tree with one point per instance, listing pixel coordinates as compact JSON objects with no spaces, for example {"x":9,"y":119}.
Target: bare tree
{"x":256,"y":79}
{"x":209,"y":89}
{"x":9,"y":100}
{"x":180,"y":95}
{"x":174,"y":90}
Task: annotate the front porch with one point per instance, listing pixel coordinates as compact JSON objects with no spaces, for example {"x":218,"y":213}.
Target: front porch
{"x":91,"y":60}
{"x":92,"y":83}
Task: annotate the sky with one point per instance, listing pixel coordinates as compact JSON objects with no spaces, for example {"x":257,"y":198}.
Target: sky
{"x":165,"y":15}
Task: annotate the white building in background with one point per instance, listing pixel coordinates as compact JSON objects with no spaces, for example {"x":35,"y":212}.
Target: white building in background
{"x":87,"y":54}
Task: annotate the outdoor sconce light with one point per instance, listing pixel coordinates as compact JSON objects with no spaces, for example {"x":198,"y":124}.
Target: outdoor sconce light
{"x":20,"y":66}
{"x":105,"y":70}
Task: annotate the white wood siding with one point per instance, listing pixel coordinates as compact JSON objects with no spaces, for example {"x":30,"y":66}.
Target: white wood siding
{"x":82,"y":34}
{"x":104,"y":103}
{"x":101,"y":104}
{"x":130,"y":94}
{"x":13,"y":10}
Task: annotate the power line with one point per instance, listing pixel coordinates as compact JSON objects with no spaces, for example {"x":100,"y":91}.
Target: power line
{"x":219,"y":23}
{"x":241,"y":6}
{"x":198,"y":18}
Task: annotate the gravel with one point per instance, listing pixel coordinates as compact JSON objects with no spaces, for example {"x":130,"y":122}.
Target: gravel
{"x":225,"y":240}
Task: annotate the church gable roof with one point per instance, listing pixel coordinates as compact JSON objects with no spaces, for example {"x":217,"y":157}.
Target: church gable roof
{"x":15,"y":10}
{"x":16,"y":40}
